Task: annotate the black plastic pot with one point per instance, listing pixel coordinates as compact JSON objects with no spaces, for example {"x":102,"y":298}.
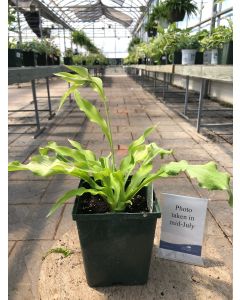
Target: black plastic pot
{"x":164,"y":60}
{"x":56,"y":60}
{"x":225,"y":55}
{"x":116,"y":247}
{"x":50,"y":60}
{"x":176,"y":15}
{"x":15,"y":58}
{"x":199,"y":58}
{"x":68,"y":61}
{"x":175,"y":58}
{"x":152,"y":32}
{"x":42,"y":59}
{"x":29,"y":58}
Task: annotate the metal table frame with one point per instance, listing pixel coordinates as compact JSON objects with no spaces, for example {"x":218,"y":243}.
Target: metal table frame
{"x":205,"y":73}
{"x":26,"y":74}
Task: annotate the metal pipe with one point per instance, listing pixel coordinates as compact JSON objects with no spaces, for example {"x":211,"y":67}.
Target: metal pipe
{"x":19,"y":25}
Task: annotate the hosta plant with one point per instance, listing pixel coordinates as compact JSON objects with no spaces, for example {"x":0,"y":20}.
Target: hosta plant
{"x":116,"y":184}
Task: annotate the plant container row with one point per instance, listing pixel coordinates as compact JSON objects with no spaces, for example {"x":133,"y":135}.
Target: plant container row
{"x":18,"y":58}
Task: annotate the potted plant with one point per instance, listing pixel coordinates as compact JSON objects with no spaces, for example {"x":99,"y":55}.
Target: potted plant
{"x":29,"y":53}
{"x":56,"y":53}
{"x":176,"y":9}
{"x":189,"y":45}
{"x":44,"y":49}
{"x":225,"y":50}
{"x":68,"y":57}
{"x":151,"y":28}
{"x":115,"y":207}
{"x":15,"y":55}
{"x":81,"y":39}
{"x":218,"y":45}
{"x":199,"y":54}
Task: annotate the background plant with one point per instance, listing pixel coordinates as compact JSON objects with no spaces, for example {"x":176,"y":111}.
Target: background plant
{"x":188,"y":6}
{"x":81,"y":39}
{"x":103,"y":176}
{"x":68,"y":52}
{"x":219,"y":36}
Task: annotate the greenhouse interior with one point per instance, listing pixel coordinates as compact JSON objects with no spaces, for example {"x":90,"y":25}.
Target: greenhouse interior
{"x":120,"y":149}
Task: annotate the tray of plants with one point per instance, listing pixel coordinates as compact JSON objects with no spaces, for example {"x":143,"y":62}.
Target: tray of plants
{"x":115,"y":207}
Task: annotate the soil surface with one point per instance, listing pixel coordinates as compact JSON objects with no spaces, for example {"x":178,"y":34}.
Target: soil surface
{"x":90,"y":204}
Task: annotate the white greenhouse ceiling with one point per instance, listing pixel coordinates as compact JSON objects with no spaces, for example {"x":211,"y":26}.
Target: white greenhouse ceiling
{"x":81,"y":14}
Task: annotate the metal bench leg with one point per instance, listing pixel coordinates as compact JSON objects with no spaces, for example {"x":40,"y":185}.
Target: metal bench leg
{"x":200,"y":105}
{"x":70,"y":96}
{"x":39,"y":129}
{"x":186,"y":96}
{"x":164,"y":85}
{"x":51,"y":114}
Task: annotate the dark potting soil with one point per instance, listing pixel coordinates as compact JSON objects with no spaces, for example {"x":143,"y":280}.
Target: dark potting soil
{"x":90,"y":204}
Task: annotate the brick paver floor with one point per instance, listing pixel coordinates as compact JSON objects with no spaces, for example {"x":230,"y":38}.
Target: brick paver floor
{"x":132,"y":110}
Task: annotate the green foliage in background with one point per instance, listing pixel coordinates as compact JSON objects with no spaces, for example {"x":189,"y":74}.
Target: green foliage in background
{"x":90,"y":59}
{"x":81,"y":39}
{"x":219,"y":36}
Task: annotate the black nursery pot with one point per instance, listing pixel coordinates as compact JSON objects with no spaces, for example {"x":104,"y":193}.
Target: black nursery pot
{"x":225,"y":55}
{"x":116,"y":247}
{"x":68,"y":61}
{"x":42,"y":59}
{"x":56,"y":60}
{"x":199,"y":58}
{"x":177,"y":58}
{"x":15,"y":57}
{"x":29,"y":58}
{"x":152,"y":32}
{"x":50,"y":60}
{"x":164,"y":60}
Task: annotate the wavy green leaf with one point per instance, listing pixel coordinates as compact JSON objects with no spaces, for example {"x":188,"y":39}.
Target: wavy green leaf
{"x":92,"y":113}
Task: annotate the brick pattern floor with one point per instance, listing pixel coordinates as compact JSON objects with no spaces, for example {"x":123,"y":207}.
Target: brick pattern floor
{"x":132,"y":110}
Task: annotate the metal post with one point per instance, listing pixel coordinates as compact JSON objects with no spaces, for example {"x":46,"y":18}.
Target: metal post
{"x":164,"y":84}
{"x":64,"y":39}
{"x":213,"y":18}
{"x":51,"y":115}
{"x":155,"y":80}
{"x":39,"y":130}
{"x":70,"y":96}
{"x":186,"y":96}
{"x":40,"y":24}
{"x":200,"y":105}
{"x":19,"y":25}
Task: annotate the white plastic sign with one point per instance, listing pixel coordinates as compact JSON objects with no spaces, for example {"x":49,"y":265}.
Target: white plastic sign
{"x":182,"y":230}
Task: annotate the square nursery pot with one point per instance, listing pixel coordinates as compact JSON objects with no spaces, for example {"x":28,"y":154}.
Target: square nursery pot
{"x":42,"y":59}
{"x":29,"y":58}
{"x":225,"y":55}
{"x":164,"y":60}
{"x":199,"y":58}
{"x":175,"y":58}
{"x":117,"y":247}
{"x":56,"y":60}
{"x":68,"y":61}
{"x":50,"y":60}
{"x":15,"y":58}
{"x":152,"y":32}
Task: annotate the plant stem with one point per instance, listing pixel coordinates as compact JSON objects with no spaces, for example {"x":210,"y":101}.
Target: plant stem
{"x":110,"y":131}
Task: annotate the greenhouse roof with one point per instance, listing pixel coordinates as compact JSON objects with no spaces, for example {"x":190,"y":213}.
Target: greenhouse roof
{"x":79,"y":14}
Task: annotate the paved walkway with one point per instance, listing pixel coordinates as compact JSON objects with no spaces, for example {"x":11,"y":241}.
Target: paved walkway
{"x":132,"y":110}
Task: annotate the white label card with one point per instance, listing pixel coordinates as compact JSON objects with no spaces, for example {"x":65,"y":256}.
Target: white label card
{"x":182,"y":230}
